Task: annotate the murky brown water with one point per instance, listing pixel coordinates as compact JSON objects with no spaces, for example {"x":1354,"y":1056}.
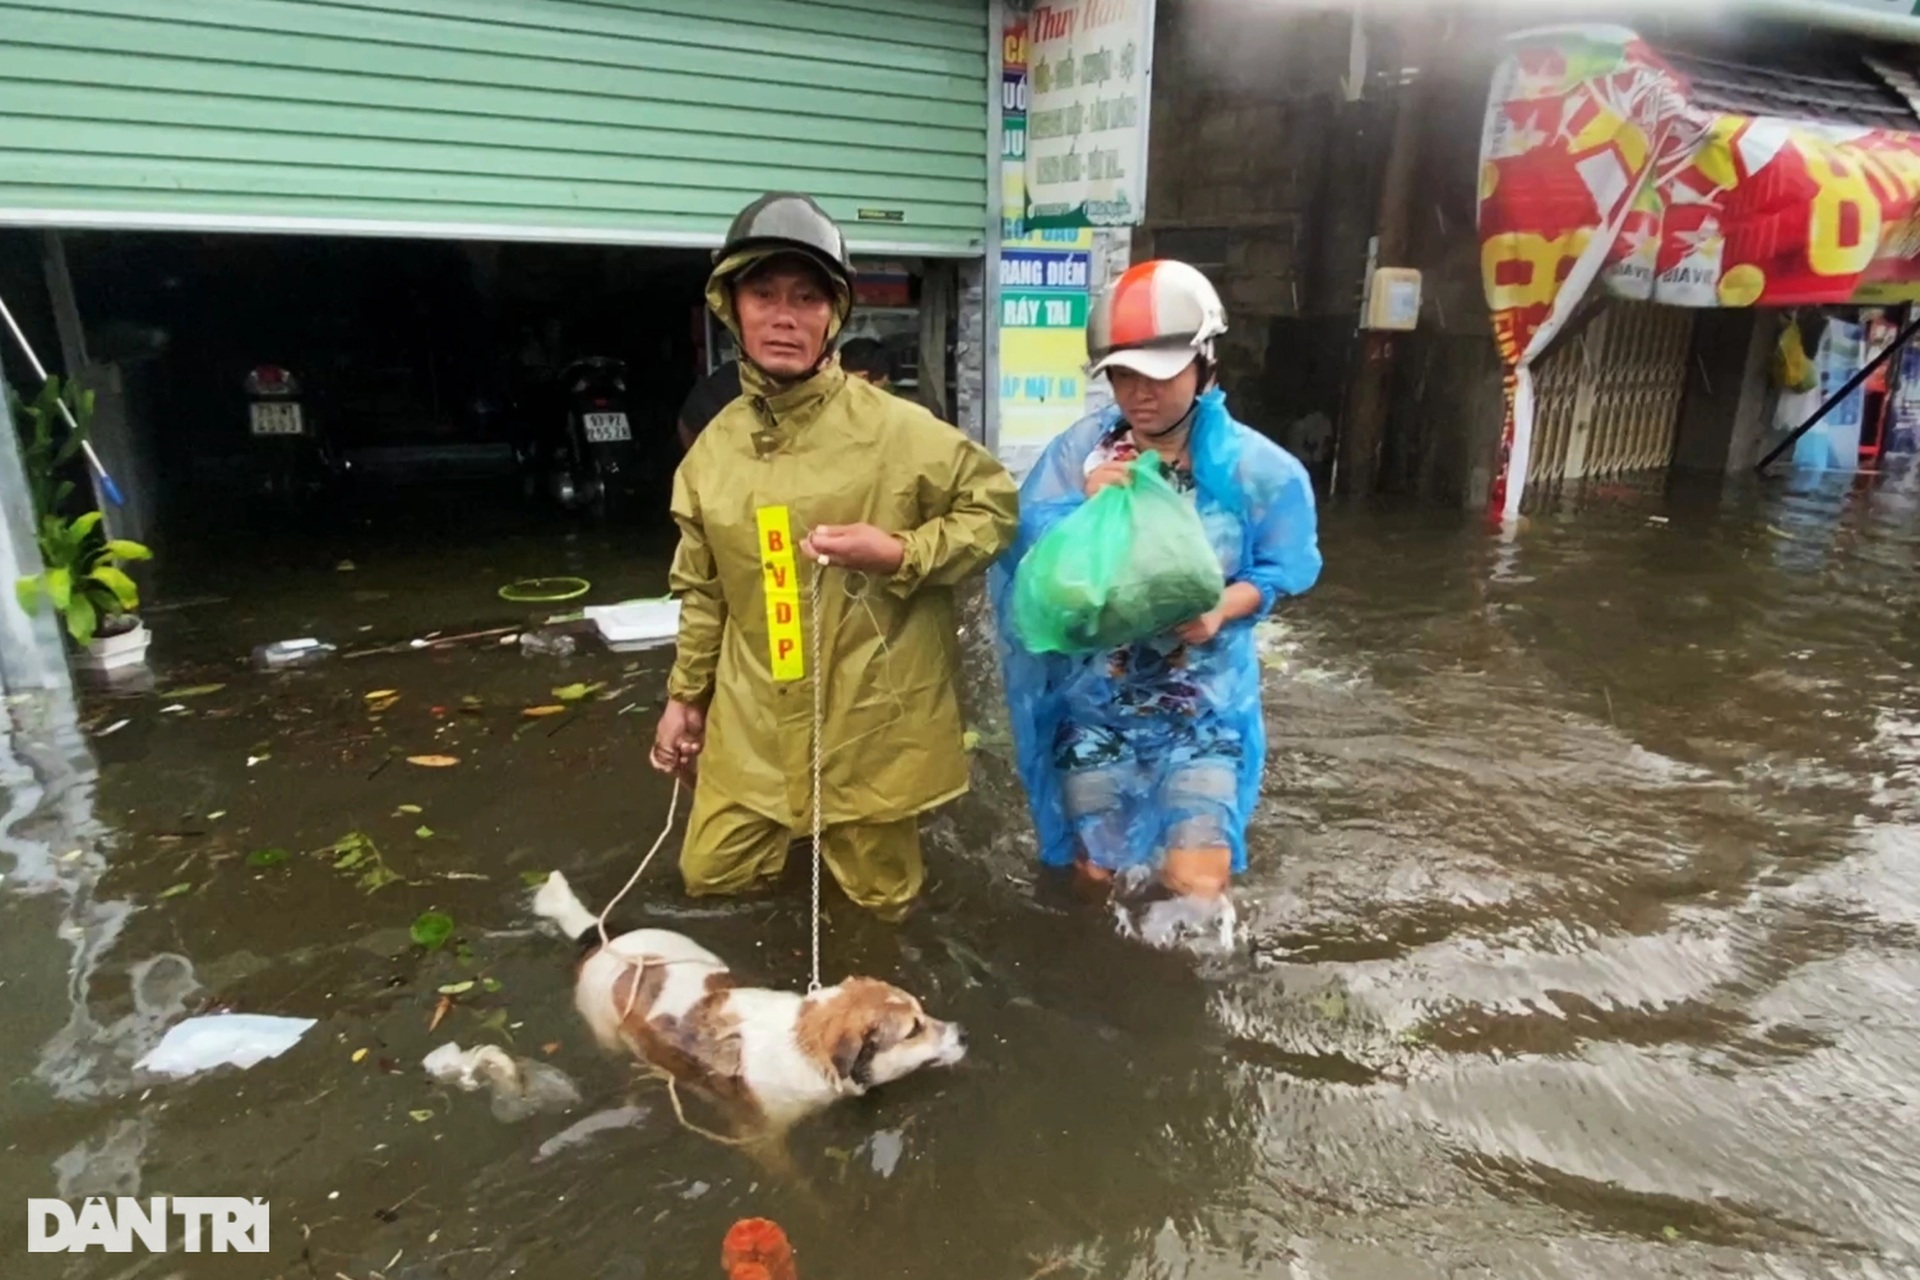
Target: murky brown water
{"x":1584,"y":912}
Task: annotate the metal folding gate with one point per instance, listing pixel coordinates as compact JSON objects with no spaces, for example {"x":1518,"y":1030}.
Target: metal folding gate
{"x":1607,"y":403}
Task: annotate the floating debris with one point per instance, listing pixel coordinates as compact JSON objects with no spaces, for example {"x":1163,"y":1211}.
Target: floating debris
{"x":520,"y":1086}
{"x":223,"y":1039}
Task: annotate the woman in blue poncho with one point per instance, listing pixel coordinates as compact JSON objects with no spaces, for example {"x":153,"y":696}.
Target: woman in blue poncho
{"x":1142,"y":765}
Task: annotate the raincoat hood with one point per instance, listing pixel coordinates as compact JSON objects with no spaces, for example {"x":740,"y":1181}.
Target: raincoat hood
{"x":754,"y":380}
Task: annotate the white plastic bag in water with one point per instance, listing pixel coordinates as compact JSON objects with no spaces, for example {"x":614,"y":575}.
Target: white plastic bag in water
{"x":223,"y":1039}
{"x":521,"y":1087}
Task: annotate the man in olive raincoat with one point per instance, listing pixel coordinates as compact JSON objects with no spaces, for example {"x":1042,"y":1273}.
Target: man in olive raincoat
{"x":809,"y":463}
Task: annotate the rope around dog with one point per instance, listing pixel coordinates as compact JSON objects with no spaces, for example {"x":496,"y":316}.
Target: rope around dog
{"x":673,"y":1092}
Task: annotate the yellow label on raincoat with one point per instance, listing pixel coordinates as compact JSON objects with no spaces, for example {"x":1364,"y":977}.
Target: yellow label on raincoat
{"x":786,"y":643}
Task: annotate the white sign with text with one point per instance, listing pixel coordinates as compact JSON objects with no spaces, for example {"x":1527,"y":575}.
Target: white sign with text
{"x":1088,"y":83}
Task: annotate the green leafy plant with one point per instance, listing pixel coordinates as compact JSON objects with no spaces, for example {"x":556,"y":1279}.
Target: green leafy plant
{"x":82,"y":577}
{"x":42,"y":454}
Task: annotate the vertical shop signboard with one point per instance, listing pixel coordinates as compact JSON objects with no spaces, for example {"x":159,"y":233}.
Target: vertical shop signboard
{"x":1044,"y":291}
{"x":1087,"y":134}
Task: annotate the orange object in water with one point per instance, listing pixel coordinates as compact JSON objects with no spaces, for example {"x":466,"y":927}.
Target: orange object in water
{"x":757,"y":1249}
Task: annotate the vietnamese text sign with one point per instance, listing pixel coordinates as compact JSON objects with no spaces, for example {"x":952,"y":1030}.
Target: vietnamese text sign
{"x":1086,"y":127}
{"x":1044,"y":276}
{"x":1043,"y":338}
{"x":1013,"y":130}
{"x":1596,"y":167}
{"x":1046,"y":269}
{"x":1029,"y":310}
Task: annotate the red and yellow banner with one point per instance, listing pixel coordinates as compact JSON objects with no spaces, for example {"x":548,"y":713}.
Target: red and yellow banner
{"x":1597,"y":168}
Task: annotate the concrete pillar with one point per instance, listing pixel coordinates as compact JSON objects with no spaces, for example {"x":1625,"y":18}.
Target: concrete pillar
{"x":1728,"y":393}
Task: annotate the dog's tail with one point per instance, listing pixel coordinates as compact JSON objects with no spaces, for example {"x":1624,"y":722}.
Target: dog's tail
{"x":556,"y":901}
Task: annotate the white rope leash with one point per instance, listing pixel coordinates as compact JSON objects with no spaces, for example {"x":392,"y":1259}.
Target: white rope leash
{"x":819,"y":722}
{"x":673,"y":806}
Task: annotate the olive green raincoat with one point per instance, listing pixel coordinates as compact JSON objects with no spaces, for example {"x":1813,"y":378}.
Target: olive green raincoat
{"x":830,"y":450}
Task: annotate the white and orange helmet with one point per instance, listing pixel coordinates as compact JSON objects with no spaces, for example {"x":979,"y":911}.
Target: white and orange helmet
{"x":1156,"y":319}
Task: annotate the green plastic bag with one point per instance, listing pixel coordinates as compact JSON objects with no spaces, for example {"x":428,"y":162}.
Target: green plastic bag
{"x":1130,"y":563}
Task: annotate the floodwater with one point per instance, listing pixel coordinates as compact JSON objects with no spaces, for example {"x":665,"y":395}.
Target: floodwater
{"x":1582,"y":937}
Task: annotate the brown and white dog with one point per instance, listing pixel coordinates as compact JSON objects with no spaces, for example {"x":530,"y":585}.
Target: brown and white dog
{"x":772,"y":1058}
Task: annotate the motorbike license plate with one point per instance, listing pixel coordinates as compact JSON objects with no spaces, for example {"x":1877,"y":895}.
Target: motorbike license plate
{"x":277,"y":420}
{"x":602,"y":428}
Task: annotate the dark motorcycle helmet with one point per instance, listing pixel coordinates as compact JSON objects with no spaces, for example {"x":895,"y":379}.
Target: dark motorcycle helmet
{"x":776,"y":224}
{"x":790,"y":220}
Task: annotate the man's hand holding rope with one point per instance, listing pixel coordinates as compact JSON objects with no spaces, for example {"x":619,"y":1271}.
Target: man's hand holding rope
{"x":678,"y":741}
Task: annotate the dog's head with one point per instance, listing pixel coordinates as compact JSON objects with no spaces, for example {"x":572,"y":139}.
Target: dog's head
{"x":866,"y":1033}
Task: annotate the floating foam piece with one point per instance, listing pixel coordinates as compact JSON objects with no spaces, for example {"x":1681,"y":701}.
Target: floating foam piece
{"x":221,"y":1040}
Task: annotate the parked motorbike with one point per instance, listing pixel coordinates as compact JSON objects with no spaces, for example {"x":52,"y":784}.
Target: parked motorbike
{"x":583,"y":456}
{"x":292,"y":460}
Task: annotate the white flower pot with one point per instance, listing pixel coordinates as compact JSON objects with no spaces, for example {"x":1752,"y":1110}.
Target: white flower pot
{"x":116,"y":652}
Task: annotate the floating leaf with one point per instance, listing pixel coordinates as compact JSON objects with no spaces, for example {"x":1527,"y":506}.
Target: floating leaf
{"x":490,"y":985}
{"x":970,"y":739}
{"x":266,"y":857}
{"x":377,"y":877}
{"x":421,"y":1116}
{"x":533,"y":879}
{"x":424,"y":831}
{"x":497,"y":1022}
{"x":550,"y":1048}
{"x":379,"y":695}
{"x":409,"y":809}
{"x":457,"y":988}
{"x":575,"y":692}
{"x":216,"y":815}
{"x":175,"y":890}
{"x":1671,"y":1233}
{"x":193,"y":691}
{"x":434,"y":762}
{"x":431,"y":929}
{"x":350,"y":859}
{"x":382,"y":704}
{"x":359,"y":1055}
{"x":440,"y":1012}
{"x":536,"y":713}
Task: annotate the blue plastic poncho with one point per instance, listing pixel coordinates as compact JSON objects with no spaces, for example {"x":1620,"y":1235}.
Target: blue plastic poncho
{"x":1135,"y":720}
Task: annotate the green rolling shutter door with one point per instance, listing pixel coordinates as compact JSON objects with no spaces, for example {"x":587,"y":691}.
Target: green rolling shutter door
{"x":641,"y":121}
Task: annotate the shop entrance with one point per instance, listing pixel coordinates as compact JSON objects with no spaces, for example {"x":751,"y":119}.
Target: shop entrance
{"x":312,"y":383}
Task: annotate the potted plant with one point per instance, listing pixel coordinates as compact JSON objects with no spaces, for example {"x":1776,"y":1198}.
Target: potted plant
{"x":86,"y":586}
{"x":81,"y":575}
